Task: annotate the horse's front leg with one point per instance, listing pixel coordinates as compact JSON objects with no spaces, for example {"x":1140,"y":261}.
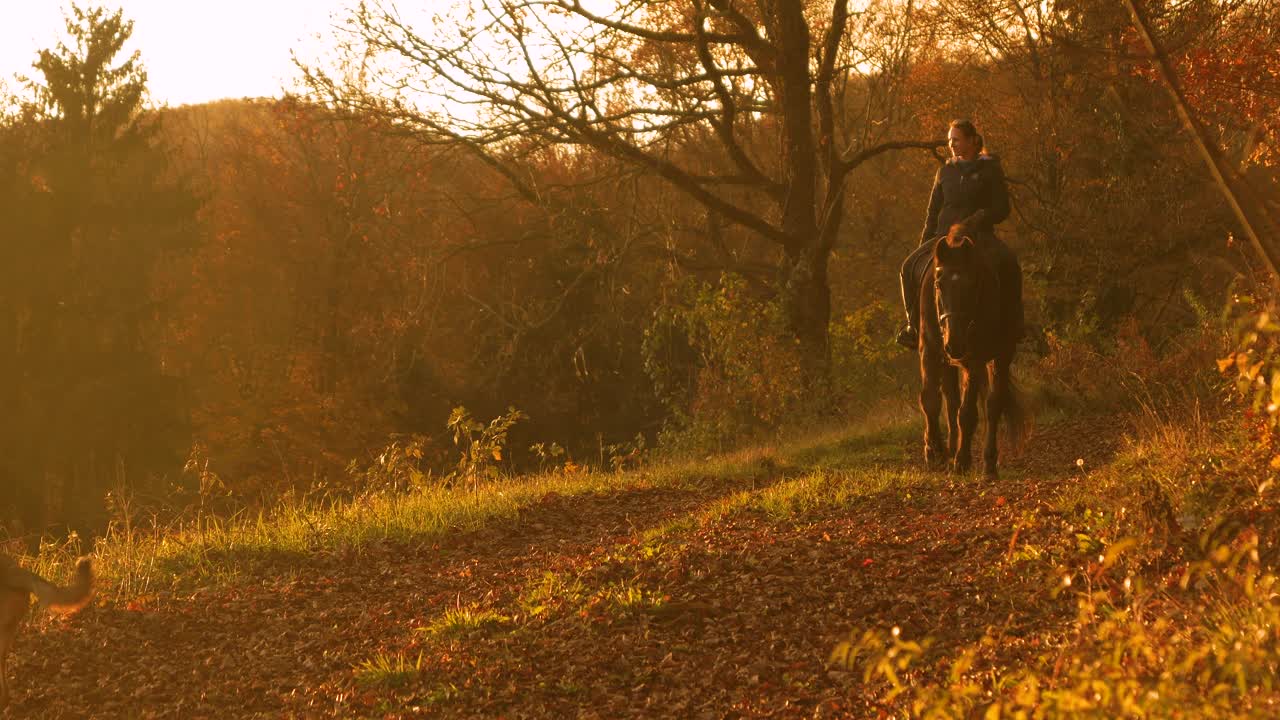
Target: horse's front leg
{"x":951,"y":393}
{"x":968,"y":421}
{"x":931,"y":371}
{"x":997,"y":399}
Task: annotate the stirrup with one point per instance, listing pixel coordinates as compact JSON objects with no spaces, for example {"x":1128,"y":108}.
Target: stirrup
{"x":908,"y":337}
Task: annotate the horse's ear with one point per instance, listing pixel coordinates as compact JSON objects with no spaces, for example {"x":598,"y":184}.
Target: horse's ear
{"x":966,"y":242}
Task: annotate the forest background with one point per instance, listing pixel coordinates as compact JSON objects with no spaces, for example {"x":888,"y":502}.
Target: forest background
{"x":207,"y":307}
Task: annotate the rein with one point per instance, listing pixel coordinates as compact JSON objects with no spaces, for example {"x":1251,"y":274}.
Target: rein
{"x":987,"y":294}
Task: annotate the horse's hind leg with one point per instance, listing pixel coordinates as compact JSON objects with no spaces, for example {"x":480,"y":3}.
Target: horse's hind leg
{"x":997,"y":398}
{"x":931,"y":371}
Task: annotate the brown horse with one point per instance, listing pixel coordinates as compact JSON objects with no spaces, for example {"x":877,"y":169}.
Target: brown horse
{"x":966,"y":346}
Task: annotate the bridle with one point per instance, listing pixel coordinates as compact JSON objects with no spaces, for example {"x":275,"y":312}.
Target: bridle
{"x":963,"y":321}
{"x":944,"y":318}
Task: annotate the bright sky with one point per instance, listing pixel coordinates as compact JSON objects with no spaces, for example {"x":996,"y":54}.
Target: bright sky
{"x":193,"y":50}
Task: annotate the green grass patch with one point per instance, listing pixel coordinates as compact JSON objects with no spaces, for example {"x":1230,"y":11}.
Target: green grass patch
{"x":627,"y":598}
{"x":133,"y":561}
{"x":136,"y":559}
{"x":388,"y":671}
{"x":824,"y":490}
{"x":458,"y":622}
{"x":814,"y":491}
{"x":877,"y":447}
{"x":551,"y":592}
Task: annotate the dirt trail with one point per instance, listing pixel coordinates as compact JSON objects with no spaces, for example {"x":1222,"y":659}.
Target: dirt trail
{"x":750,"y":607}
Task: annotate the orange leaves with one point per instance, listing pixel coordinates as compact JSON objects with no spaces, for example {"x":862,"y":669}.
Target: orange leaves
{"x":1234,"y":82}
{"x":1231,"y":361}
{"x":1243,"y":364}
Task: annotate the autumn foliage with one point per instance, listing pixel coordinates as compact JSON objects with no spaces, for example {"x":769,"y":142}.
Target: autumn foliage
{"x":583,"y":398}
{"x":273,"y":292}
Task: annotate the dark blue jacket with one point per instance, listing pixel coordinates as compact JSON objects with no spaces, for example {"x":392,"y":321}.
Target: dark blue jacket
{"x":972,"y":192}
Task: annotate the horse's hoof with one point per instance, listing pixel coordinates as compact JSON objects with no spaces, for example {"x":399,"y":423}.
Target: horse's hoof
{"x":959,"y":468}
{"x":990,"y":474}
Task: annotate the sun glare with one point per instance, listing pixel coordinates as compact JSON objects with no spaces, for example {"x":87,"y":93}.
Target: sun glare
{"x":194,"y":51}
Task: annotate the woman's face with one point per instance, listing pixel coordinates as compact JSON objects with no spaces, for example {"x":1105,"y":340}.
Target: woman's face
{"x":962,"y":146}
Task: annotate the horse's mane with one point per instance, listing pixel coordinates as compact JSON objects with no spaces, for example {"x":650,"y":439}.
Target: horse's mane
{"x":956,"y":239}
{"x":958,"y":235}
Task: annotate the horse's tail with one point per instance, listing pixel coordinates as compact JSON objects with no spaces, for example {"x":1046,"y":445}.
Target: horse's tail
{"x":1016,"y":421}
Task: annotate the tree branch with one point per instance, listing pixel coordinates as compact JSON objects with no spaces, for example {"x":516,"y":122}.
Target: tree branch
{"x":748,"y":36}
{"x":822,"y":85}
{"x":852,"y":160}
{"x":833,"y":203}
{"x":575,"y":7}
{"x":728,"y":113}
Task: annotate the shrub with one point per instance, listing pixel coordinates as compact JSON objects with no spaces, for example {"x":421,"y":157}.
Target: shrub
{"x":724,"y":365}
{"x":1205,"y":646}
{"x":866,"y":364}
{"x":480,"y":446}
{"x":1253,"y":362}
{"x":1128,"y":372}
{"x":401,"y":464}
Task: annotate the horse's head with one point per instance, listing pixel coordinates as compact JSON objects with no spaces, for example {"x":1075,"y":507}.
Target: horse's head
{"x":958,"y":281}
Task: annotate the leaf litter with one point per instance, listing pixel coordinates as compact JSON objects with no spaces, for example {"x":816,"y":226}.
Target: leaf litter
{"x":609,"y":606}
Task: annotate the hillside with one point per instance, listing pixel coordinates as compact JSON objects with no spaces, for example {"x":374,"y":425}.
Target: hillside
{"x":409,"y":392}
{"x":717,"y":589}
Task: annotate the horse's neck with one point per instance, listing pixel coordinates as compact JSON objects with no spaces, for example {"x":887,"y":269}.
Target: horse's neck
{"x":991,"y":297}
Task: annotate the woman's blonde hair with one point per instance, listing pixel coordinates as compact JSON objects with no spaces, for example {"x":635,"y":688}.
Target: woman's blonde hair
{"x":967,"y":127}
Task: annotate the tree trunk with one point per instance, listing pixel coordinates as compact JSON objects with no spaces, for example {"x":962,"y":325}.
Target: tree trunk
{"x":806,"y":297}
{"x":806,"y":300}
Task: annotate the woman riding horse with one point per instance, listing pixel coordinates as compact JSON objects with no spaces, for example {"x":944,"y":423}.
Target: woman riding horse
{"x":968,"y":190}
{"x":967,"y":345}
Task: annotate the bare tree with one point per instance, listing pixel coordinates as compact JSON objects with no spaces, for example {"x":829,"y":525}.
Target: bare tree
{"x":755,"y":86}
